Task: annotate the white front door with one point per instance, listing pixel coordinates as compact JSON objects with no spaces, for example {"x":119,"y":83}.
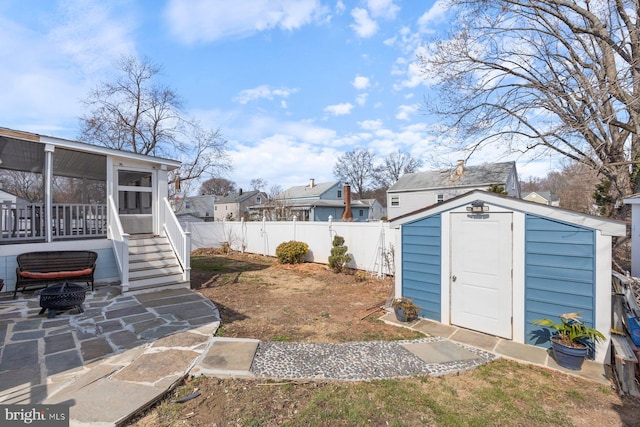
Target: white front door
{"x":481,"y":264}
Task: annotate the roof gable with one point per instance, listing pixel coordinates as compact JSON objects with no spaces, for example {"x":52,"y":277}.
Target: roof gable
{"x":481,"y":175}
{"x":238,"y":197}
{"x":605,"y":225}
{"x":305,"y":191}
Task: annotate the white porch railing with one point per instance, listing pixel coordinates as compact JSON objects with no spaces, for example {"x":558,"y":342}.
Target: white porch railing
{"x":180,"y":240}
{"x":120,"y":241}
{"x":26,"y":222}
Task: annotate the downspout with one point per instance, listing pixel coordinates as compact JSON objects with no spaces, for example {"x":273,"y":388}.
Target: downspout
{"x":48,"y":197}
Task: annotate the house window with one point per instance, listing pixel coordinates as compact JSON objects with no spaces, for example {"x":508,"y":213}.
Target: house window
{"x":259,"y":200}
{"x":440,"y":198}
{"x":361,"y":212}
{"x":339,"y":194}
{"x":215,"y":208}
{"x":187,"y":204}
{"x":395,"y":201}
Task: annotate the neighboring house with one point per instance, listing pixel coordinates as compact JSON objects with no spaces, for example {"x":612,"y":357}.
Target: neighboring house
{"x":634,"y":201}
{"x":494,"y":264}
{"x":318,"y":202}
{"x":415,"y":191}
{"x":117,"y":195}
{"x":543,"y":197}
{"x":376,"y":210}
{"x":11,"y":208}
{"x":198,"y":206}
{"x":237,"y":205}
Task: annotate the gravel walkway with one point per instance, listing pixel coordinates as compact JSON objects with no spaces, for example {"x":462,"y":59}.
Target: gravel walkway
{"x":353,"y":361}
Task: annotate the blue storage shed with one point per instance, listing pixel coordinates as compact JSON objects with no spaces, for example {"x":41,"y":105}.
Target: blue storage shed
{"x":493,"y":264}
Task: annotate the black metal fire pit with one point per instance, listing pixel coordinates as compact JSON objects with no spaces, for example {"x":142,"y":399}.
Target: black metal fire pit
{"x":62,"y":296}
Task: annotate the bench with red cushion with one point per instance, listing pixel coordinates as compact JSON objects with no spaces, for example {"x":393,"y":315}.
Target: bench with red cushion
{"x":42,"y":268}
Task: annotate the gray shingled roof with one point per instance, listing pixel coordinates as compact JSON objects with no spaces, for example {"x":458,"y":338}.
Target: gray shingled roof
{"x":237,"y":197}
{"x":487,"y":174}
{"x":304,"y":191}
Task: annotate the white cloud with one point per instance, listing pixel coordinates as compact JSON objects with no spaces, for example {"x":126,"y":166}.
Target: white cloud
{"x":263,"y":92}
{"x":382,"y":8}
{"x":360,"y":82}
{"x":339,"y":109}
{"x":282,"y":160}
{"x":67,"y":55}
{"x":210,"y":20}
{"x":92,"y":34}
{"x":412,"y":72}
{"x":406,"y":111}
{"x":436,"y":13}
{"x":371,"y":124}
{"x":363,"y":25}
{"x":361,"y":99}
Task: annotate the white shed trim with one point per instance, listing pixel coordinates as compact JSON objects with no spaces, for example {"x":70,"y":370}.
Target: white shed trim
{"x":608,"y":227}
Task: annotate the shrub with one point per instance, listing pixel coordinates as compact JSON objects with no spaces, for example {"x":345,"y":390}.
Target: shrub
{"x":291,"y":252}
{"x":338,"y":258}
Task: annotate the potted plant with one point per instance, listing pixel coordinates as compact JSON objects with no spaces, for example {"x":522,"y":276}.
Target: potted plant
{"x":572,"y":339}
{"x":405,"y":309}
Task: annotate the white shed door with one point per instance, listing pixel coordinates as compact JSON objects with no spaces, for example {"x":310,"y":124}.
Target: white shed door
{"x":481,"y":264}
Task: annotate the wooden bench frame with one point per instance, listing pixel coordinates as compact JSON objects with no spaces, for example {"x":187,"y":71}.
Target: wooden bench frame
{"x":42,"y":268}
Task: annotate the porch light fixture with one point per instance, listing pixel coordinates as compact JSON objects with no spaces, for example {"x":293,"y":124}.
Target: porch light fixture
{"x":477,"y":206}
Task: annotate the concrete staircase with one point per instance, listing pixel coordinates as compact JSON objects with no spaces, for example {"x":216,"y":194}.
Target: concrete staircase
{"x":153,"y":265}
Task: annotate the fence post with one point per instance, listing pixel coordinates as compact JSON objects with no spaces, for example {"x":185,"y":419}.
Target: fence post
{"x":295,"y":219}
{"x":263,"y":234}
{"x":243,"y":234}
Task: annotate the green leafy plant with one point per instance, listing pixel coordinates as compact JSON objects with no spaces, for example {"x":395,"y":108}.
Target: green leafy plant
{"x":292,"y":252}
{"x":571,"y":331}
{"x":410,"y":309}
{"x":338,"y":258}
{"x":497,"y":188}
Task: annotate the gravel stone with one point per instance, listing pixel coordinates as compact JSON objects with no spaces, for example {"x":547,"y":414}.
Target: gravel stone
{"x":358,"y":361}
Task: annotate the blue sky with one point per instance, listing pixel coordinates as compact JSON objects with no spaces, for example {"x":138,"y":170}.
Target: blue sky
{"x":291,"y":84}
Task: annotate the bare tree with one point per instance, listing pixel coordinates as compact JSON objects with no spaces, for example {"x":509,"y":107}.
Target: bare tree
{"x":136,"y":113}
{"x":26,"y":185}
{"x":217,"y":186}
{"x":395,"y":165}
{"x":356,"y":168}
{"x":546,"y":75}
{"x":257,"y":184}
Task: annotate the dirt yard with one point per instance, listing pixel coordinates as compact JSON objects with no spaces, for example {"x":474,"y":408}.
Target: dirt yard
{"x":259,"y":298}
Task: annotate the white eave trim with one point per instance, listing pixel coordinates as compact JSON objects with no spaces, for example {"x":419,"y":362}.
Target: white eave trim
{"x":608,"y":227}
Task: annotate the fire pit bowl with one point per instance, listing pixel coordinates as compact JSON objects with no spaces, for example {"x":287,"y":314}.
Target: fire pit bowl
{"x":62,"y":296}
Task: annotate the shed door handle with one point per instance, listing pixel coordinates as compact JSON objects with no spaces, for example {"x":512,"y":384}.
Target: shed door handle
{"x":453,"y":278}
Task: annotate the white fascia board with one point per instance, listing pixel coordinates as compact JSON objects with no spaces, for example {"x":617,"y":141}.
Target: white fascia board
{"x":96,"y":149}
{"x":607,"y":226}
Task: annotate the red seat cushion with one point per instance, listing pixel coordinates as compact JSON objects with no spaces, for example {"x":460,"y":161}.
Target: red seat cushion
{"x":55,"y":274}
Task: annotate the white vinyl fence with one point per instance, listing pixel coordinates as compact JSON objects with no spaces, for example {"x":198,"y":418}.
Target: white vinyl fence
{"x":370,"y":244}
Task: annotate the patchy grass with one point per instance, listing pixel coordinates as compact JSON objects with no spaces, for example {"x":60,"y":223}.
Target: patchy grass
{"x":260,"y":299}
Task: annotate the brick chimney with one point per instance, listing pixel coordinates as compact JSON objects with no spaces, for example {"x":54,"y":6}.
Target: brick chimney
{"x":458,"y":173}
{"x":347,"y":215}
{"x":312,"y":182}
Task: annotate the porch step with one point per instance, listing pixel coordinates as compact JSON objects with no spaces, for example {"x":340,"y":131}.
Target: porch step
{"x":152,"y":288}
{"x":157,"y":279}
{"x":146,"y":246}
{"x":153,"y":265}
